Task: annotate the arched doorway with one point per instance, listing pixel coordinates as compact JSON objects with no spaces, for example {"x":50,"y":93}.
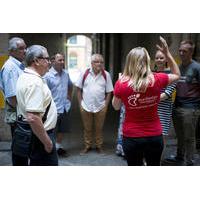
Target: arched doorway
{"x":78,"y":53}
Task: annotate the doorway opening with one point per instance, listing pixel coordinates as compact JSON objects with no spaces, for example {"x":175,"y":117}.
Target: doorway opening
{"x":79,"y":51}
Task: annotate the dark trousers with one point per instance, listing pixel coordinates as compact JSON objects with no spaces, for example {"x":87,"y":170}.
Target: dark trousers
{"x":198,"y":134}
{"x":185,"y":122}
{"x":17,"y":160}
{"x":39,"y":156}
{"x":148,"y":148}
{"x":12,"y":129}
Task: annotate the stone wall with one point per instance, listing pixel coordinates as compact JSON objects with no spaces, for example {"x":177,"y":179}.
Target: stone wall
{"x":4,"y":128}
{"x":5,"y":133}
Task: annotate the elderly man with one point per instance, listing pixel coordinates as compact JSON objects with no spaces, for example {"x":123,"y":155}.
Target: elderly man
{"x":59,"y":83}
{"x":34,"y":98}
{"x":187,"y":105}
{"x":10,"y":72}
{"x":94,"y":88}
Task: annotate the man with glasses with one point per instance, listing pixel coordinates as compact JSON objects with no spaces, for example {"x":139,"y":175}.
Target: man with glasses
{"x":34,"y":101}
{"x":10,"y":73}
{"x":59,"y":83}
{"x":94,"y":88}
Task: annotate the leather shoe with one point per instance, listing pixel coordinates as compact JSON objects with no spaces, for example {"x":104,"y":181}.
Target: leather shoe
{"x":86,"y":150}
{"x":99,"y":150}
{"x":62,"y":152}
{"x":190,"y":163}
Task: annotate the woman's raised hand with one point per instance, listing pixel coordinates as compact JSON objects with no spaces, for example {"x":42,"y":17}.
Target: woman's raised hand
{"x":163,"y":47}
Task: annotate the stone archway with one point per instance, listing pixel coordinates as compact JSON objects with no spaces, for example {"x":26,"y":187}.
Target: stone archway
{"x":78,"y":55}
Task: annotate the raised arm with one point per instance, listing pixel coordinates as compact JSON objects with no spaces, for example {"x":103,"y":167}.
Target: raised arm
{"x":175,"y":72}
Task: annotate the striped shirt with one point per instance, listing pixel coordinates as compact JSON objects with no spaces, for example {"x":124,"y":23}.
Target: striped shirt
{"x":165,"y":107}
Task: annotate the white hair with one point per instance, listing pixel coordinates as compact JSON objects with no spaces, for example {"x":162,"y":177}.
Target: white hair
{"x":12,"y":45}
{"x":96,"y":55}
{"x":34,"y":52}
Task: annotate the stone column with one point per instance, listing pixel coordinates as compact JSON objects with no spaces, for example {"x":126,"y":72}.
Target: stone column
{"x":197,"y":50}
{"x":4,"y":128}
{"x":175,"y":42}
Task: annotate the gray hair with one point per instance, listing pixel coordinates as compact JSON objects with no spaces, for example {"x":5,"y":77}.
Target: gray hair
{"x":96,"y":55}
{"x":33,"y":52}
{"x":12,"y":44}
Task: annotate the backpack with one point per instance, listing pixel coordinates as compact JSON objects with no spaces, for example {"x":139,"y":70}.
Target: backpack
{"x":87,"y":72}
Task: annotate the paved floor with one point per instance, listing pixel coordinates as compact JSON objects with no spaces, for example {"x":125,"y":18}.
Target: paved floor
{"x":73,"y":143}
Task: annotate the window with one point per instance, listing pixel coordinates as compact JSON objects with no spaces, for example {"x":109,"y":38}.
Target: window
{"x":73,"y":40}
{"x":73,"y":61}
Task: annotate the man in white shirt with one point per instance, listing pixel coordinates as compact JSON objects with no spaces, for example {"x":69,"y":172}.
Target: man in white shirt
{"x":94,"y":88}
{"x":33,"y":100}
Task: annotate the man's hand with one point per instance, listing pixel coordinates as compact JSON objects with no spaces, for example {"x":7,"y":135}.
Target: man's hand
{"x":48,"y":146}
{"x":37,"y":126}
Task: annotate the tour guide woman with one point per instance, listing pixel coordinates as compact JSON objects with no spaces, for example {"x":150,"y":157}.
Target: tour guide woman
{"x":139,"y":90}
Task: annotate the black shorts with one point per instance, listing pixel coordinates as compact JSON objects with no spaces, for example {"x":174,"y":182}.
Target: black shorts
{"x":63,"y":123}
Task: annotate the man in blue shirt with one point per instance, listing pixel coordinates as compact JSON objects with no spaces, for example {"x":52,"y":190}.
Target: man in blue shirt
{"x":59,"y":83}
{"x":10,"y":73}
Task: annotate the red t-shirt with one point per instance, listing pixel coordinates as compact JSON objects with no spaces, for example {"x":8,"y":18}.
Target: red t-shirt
{"x":141,"y":116}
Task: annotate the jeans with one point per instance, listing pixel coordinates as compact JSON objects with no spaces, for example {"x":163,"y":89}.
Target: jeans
{"x":148,"y":148}
{"x":39,"y":156}
{"x":19,"y":160}
{"x":185,"y":122}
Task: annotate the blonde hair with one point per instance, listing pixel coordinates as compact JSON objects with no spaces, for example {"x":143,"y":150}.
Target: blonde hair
{"x":137,"y":69}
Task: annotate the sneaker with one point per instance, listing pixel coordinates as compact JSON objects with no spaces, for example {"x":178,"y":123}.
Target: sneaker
{"x":86,"y":150}
{"x":62,"y":152}
{"x":118,"y":153}
{"x":174,"y":160}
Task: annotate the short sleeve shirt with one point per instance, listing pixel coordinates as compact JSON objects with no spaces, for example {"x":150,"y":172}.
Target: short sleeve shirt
{"x":33,"y":95}
{"x":94,"y":90}
{"x":141,"y":116}
{"x":188,"y":86}
{"x":59,"y":85}
{"x":10,"y":73}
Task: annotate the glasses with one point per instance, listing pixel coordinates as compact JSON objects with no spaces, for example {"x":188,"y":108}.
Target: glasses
{"x":45,"y":58}
{"x":97,"y":61}
{"x":21,"y":49}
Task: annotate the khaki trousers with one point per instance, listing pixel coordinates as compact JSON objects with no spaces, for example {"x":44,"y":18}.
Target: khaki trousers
{"x":90,"y":121}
